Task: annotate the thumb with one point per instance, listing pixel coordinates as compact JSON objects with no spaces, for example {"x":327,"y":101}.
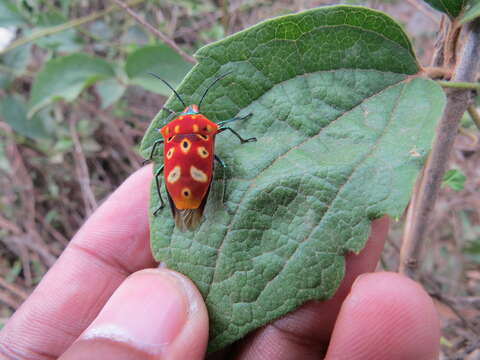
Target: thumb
{"x":154,"y":314}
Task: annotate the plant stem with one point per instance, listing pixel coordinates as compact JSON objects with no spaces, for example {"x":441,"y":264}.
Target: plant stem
{"x":436,"y":72}
{"x":65,"y":26}
{"x":157,"y":32}
{"x":458,"y":100}
{"x":472,"y":111}
{"x":459,"y":84}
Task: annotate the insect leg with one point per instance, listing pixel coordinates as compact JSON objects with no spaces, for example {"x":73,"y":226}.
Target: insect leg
{"x":224,"y":167}
{"x":170,"y":111}
{"x":155,"y":144}
{"x":242,"y":140}
{"x":171,"y":115}
{"x":158,"y":181}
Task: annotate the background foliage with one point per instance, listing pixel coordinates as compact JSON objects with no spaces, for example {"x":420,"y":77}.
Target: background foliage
{"x":75,"y":103}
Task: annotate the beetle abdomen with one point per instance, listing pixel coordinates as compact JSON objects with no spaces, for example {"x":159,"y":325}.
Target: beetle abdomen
{"x":188,"y":160}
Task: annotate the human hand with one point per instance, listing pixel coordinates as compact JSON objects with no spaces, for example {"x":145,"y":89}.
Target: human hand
{"x":97,"y":303}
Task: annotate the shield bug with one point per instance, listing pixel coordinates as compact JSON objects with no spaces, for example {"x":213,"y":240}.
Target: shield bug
{"x":188,"y":141}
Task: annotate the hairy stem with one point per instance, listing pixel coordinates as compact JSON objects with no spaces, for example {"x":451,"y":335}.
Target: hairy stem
{"x":458,"y":100}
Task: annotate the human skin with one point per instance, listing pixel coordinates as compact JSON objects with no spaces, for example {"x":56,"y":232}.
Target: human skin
{"x":105,"y":298}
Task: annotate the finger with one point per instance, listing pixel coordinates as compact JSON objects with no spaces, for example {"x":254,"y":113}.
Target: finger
{"x":386,"y":316}
{"x":113,"y":243}
{"x":305,"y":333}
{"x":154,"y":314}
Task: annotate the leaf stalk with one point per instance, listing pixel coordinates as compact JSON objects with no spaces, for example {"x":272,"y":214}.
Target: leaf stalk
{"x":459,"y":84}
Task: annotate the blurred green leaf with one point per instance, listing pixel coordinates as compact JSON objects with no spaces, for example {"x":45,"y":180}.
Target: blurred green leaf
{"x":110,"y":91}
{"x":65,"y":41}
{"x":65,"y":78}
{"x":4,"y":162}
{"x":10,"y":14}
{"x":466,"y":121}
{"x":160,"y":60}
{"x":454,"y":179}
{"x":450,"y":7}
{"x":52,"y":214}
{"x":472,"y":249}
{"x":101,"y":30}
{"x":134,"y":36}
{"x":14,"y":271}
{"x":65,"y":4}
{"x":13,"y":111}
{"x":18,"y":59}
{"x":472,"y":11}
{"x":38,"y":270}
{"x":6,"y":80}
{"x":64,"y":144}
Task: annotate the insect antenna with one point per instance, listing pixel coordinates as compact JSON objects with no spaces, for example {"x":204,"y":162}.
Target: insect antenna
{"x":170,"y":86}
{"x":208,"y":88}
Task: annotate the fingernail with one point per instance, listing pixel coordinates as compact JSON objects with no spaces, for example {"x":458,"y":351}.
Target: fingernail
{"x":147,"y":311}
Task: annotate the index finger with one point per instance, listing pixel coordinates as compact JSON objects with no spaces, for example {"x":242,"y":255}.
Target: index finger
{"x":113,"y":243}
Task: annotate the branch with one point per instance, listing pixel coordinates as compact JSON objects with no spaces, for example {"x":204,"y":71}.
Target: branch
{"x":65,"y":26}
{"x":157,"y":32}
{"x":459,"y":85}
{"x":81,"y":168}
{"x":458,"y":100}
{"x":472,"y":111}
{"x":436,"y":72}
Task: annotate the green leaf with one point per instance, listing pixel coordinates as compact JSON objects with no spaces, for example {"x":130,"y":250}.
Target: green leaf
{"x":472,"y":11}
{"x":10,"y":14}
{"x":454,"y":179}
{"x":450,"y":7}
{"x":472,"y":250}
{"x":65,"y":41}
{"x":160,"y":60}
{"x":65,"y":78}
{"x":14,"y":112}
{"x":4,"y":164}
{"x":6,"y":79}
{"x":110,"y":91}
{"x":18,"y":59}
{"x":343,"y":127}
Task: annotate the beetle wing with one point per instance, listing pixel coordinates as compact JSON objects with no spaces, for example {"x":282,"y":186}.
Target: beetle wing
{"x":188,"y":219}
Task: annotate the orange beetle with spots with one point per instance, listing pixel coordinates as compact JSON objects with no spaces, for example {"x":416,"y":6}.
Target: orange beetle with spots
{"x":188,"y":161}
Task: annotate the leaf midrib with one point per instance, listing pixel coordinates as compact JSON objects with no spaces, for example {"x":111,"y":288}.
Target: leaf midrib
{"x":252,"y":181}
{"x":357,"y":166}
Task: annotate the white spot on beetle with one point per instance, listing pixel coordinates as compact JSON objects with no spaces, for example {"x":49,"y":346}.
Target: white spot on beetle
{"x":198,"y":175}
{"x":174,"y":175}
